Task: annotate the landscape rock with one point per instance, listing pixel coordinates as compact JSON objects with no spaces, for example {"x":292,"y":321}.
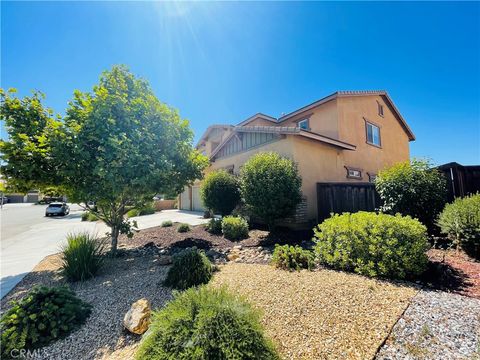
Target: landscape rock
{"x":164,"y":260}
{"x":137,"y":319}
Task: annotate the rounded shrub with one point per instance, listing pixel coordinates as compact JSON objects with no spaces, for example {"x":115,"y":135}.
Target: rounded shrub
{"x":82,"y":256}
{"x":220,"y":192}
{"x":88,"y":216}
{"x":182,"y":228}
{"x":289,"y":257}
{"x":41,"y":317}
{"x":190,"y":267}
{"x":133,"y":212}
{"x":214,"y":226}
{"x":373,"y":244}
{"x":167,"y":223}
{"x":234,"y":228}
{"x":270,"y":186}
{"x":412,"y":188}
{"x":206,"y":323}
{"x":460,"y":220}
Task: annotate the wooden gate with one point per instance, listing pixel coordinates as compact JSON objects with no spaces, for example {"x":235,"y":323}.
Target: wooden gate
{"x":345,"y":197}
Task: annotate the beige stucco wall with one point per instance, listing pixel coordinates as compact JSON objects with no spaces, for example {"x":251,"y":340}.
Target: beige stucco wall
{"x":322,"y":119}
{"x":352,"y":113}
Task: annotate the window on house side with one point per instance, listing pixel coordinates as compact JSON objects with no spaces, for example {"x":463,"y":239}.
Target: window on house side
{"x":373,"y":134}
{"x":304,"y":124}
{"x":354,"y":173}
{"x":380,"y":109}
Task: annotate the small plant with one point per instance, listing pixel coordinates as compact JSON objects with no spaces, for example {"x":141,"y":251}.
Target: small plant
{"x":41,"y":317}
{"x":206,"y":323}
{"x":373,"y":244}
{"x":88,"y":216}
{"x":234,"y":228}
{"x":167,"y":223}
{"x":289,"y":257}
{"x":82,"y":257}
{"x":182,"y":228}
{"x":220,"y":192}
{"x":460,"y":220}
{"x":190,"y":267}
{"x":133,"y":213}
{"x":214,"y":226}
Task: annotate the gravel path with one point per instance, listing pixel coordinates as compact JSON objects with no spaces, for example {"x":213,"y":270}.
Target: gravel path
{"x":437,"y":325}
{"x":322,"y":314}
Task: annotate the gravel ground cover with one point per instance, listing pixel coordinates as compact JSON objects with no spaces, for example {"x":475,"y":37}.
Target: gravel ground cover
{"x":123,"y":281}
{"x":199,"y":237}
{"x":322,"y":314}
{"x":437,"y":325}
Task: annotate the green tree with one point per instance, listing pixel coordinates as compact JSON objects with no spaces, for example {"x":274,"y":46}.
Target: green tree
{"x":270,"y":186}
{"x":117,"y":145}
{"x":220,"y":192}
{"x":26,"y":164}
{"x":412,"y":188}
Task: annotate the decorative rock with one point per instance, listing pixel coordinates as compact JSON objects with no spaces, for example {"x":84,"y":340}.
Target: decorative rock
{"x":237,"y":247}
{"x":137,"y":319}
{"x":232,"y":257}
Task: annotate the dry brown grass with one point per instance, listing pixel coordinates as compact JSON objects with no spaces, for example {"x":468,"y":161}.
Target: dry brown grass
{"x":323,"y":314}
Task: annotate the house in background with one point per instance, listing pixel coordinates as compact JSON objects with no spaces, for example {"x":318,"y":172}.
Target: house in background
{"x":346,"y":137}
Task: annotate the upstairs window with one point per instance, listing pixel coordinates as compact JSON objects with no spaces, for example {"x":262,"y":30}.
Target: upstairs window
{"x":303,"y":124}
{"x":373,"y":134}
{"x":380,"y":109}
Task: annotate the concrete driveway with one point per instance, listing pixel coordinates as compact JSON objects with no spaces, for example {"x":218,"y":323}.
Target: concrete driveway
{"x":27,"y":236}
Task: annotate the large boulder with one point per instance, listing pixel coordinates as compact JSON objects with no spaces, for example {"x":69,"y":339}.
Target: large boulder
{"x":137,"y":319}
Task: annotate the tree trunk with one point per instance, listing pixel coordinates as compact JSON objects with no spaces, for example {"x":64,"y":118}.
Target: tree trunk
{"x":115,"y":232}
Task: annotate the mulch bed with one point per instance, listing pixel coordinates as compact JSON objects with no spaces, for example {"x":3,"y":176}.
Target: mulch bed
{"x":453,"y":271}
{"x":166,"y":237}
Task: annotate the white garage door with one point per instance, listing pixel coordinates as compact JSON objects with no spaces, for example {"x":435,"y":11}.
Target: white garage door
{"x":185,"y":199}
{"x":197,"y":201}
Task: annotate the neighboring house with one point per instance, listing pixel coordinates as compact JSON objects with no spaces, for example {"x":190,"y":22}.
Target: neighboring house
{"x":345,"y":137}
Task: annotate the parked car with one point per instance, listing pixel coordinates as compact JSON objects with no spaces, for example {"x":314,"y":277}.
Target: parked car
{"x":57,"y":208}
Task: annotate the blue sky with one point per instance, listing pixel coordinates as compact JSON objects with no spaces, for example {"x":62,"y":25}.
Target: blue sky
{"x":221,"y":62}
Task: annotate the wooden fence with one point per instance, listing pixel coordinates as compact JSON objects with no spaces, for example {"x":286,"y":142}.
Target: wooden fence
{"x":345,"y":197}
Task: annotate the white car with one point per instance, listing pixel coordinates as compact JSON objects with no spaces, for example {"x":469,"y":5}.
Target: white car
{"x":57,"y":208}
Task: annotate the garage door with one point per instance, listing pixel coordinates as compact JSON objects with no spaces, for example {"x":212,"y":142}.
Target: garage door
{"x":197,"y":201}
{"x":185,"y":199}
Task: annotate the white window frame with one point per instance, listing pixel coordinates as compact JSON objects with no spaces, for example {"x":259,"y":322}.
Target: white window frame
{"x":304,"y":121}
{"x":373,"y":126}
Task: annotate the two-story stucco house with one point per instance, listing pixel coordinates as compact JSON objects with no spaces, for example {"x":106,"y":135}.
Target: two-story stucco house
{"x":347,"y":136}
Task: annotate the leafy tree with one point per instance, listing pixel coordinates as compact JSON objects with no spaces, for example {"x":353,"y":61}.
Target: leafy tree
{"x":220,"y":192}
{"x":412,"y":188}
{"x":270,"y":186}
{"x":117,"y":145}
{"x":26,"y":165}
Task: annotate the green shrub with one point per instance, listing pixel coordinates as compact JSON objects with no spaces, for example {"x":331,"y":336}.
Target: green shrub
{"x":220,"y":192}
{"x":461,"y":222}
{"x":214,"y":226}
{"x":270,"y":186}
{"x":41,"y":317}
{"x":147,"y":209}
{"x":190,"y":267}
{"x":412,"y":188}
{"x":206,"y":323}
{"x":182,"y":228}
{"x":292,"y":257}
{"x":373,"y":244}
{"x":133,"y":212}
{"x":82,"y":257}
{"x":167,"y":223}
{"x":88,"y":216}
{"x":234,"y":228}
